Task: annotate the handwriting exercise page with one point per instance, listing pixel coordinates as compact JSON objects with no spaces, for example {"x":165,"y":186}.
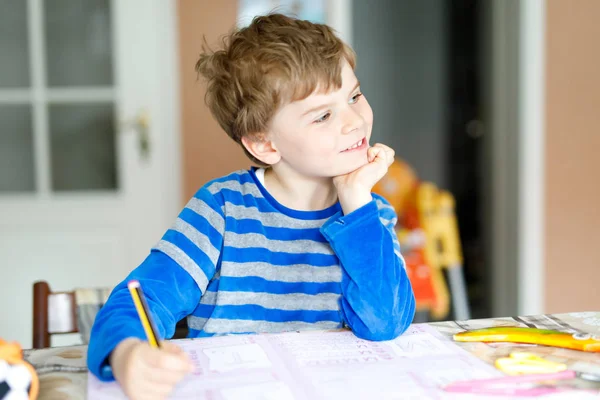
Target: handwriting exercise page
{"x":319,"y":365}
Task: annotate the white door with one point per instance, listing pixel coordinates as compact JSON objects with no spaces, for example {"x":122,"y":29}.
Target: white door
{"x":89,"y":170}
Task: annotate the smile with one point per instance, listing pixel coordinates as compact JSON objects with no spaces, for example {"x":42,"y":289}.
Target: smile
{"x":356,"y":146}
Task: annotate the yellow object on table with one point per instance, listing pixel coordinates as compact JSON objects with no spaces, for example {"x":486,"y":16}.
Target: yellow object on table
{"x":519,"y":363}
{"x":545,"y":337}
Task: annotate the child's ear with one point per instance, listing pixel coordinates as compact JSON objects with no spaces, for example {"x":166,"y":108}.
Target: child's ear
{"x":262,"y":148}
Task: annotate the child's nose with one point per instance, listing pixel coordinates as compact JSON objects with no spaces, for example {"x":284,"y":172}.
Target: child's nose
{"x":352,"y":121}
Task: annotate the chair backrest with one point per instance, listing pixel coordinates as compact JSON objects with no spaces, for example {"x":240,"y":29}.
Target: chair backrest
{"x":53,"y":313}
{"x":56,"y":313}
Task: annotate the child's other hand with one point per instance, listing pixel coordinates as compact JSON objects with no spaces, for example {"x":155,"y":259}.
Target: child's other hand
{"x":148,"y":373}
{"x":354,"y":188}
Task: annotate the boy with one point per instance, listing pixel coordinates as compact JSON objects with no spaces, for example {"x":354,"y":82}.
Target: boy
{"x":298,"y":244}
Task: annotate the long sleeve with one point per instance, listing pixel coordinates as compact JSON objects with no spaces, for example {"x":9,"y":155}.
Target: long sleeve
{"x":377,"y":298}
{"x":174,"y":276}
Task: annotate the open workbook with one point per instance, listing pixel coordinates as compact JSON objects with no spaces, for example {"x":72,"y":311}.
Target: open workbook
{"x":319,"y":365}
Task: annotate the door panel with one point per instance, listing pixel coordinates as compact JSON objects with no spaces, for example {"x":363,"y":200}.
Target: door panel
{"x":86,"y":145}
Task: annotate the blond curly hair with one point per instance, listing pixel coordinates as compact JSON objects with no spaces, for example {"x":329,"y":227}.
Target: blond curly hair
{"x":272,"y":62}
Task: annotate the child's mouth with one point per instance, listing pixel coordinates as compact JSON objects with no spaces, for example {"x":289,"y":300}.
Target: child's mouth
{"x":361,"y":144}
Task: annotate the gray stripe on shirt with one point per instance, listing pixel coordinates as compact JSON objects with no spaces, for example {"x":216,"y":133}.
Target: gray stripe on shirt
{"x":270,"y":219}
{"x":399,"y":255}
{"x":184,"y":262}
{"x":388,"y":223}
{"x":287,"y":273}
{"x":382,"y":206}
{"x":236,"y":186}
{"x":198,"y":238}
{"x":289,"y":301}
{"x":215,"y":219}
{"x":209,"y":298}
{"x":257,"y":240}
{"x":224,"y":326}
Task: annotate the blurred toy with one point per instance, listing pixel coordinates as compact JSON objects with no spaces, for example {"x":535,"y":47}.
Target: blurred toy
{"x":18,"y":379}
{"x":429,"y":241}
{"x":399,"y":187}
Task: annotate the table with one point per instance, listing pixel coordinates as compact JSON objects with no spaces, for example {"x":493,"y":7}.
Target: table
{"x":63,"y":373}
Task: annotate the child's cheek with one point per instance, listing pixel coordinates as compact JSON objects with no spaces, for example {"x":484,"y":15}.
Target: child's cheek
{"x":327,"y":145}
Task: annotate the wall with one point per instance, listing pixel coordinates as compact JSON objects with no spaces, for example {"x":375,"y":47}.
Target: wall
{"x":501,"y":35}
{"x":404,"y":42}
{"x":206,"y":150}
{"x":572,"y":216}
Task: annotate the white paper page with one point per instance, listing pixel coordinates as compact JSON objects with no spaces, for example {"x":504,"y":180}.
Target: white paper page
{"x":229,"y":358}
{"x":259,"y":391}
{"x":320,"y":365}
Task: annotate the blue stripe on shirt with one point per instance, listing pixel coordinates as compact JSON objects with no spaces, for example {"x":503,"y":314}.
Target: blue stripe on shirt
{"x":255,"y":284}
{"x":251,"y":254}
{"x":254,"y":312}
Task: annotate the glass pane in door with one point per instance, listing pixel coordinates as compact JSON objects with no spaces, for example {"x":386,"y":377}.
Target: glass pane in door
{"x":14,"y":47}
{"x":78,"y":43}
{"x":82,"y":147}
{"x":17,"y":172}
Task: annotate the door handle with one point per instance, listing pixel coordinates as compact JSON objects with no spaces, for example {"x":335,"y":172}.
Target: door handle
{"x":141,"y":126}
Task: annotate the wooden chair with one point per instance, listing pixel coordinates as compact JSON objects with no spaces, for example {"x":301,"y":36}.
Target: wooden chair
{"x":56,"y":313}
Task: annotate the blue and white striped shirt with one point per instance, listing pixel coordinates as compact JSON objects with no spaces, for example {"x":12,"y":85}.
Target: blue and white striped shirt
{"x":237,"y":261}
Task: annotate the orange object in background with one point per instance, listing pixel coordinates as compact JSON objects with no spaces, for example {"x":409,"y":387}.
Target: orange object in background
{"x":429,"y":240}
{"x":399,"y":187}
{"x":12,"y":355}
{"x":419,"y":273}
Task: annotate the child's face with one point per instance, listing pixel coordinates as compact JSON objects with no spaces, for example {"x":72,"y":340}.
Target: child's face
{"x":318,"y":136}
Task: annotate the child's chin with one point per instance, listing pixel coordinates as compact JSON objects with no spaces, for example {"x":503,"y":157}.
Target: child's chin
{"x":361,"y":162}
{"x":353,"y":166}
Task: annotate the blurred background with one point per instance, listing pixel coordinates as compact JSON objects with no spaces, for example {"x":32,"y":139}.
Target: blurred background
{"x":104,"y":134}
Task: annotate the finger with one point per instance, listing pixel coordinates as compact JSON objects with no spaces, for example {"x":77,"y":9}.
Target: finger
{"x":176,"y":362}
{"x":171,"y":347}
{"x":383,"y":159}
{"x":380,"y":156}
{"x":164,"y":376}
{"x":390,"y":154}
{"x":370,"y":151}
{"x":381,"y":146}
{"x":373,"y":152}
{"x":387,"y":153}
{"x":151,"y":383}
{"x":163,"y":359}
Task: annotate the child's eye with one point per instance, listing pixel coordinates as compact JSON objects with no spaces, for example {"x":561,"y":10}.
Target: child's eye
{"x":355,"y":98}
{"x":323,"y":118}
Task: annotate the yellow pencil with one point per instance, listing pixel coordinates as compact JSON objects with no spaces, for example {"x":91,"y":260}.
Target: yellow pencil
{"x":135,"y":289}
